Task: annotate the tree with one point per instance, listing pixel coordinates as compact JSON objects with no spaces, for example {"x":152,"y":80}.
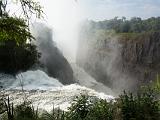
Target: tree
{"x":29,"y":7}
{"x":16,"y":51}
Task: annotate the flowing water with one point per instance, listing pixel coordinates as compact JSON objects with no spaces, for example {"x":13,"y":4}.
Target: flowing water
{"x":36,"y":86}
{"x":44,"y":91}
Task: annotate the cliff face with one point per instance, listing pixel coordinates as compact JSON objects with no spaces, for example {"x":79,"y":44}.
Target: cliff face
{"x":121,"y":62}
{"x":55,"y":64}
{"x":141,"y":56}
{"x":52,"y":60}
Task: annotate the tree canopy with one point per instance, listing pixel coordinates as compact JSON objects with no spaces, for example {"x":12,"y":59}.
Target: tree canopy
{"x":29,"y":8}
{"x":17,"y":53}
{"x":122,"y":25}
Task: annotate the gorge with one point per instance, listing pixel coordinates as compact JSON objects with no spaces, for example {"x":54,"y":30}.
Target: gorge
{"x":96,"y":58}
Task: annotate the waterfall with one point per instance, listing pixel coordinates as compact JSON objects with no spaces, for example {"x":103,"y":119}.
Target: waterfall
{"x":63,"y":17}
{"x":29,"y":80}
{"x":44,"y":91}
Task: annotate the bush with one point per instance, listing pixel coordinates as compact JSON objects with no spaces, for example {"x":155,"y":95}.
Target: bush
{"x":25,"y":112}
{"x":145,"y":105}
{"x":101,"y":110}
{"x":142,"y":106}
{"x":55,"y":114}
{"x":90,"y":108}
{"x":79,"y":108}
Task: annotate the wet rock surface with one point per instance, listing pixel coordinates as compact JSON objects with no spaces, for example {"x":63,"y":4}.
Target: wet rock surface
{"x":116,"y":60}
{"x":141,"y":56}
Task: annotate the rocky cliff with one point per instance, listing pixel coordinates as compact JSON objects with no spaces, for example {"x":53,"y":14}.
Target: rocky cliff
{"x":141,"y":56}
{"x":121,"y":61}
{"x":52,"y":60}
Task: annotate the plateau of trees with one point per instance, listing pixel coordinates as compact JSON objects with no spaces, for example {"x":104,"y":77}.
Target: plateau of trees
{"x":123,"y":25}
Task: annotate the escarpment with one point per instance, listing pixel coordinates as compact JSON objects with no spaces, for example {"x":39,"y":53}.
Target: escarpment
{"x":123,"y":61}
{"x":52,"y":60}
{"x":141,"y":56}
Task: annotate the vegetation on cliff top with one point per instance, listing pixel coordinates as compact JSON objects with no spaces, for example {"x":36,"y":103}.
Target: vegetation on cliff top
{"x":122,"y":25}
{"x":119,"y":28}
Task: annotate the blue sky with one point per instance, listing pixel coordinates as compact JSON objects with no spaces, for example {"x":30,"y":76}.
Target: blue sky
{"x":106,"y":9}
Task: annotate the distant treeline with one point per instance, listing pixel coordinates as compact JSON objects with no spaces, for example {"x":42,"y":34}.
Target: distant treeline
{"x":122,"y":25}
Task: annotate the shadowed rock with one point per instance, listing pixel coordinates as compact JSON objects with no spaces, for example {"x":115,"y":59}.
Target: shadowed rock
{"x":53,"y":61}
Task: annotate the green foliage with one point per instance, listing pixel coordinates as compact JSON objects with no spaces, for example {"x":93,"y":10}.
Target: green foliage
{"x":55,"y":114}
{"x":25,"y":112}
{"x":79,"y":108}
{"x":156,"y":84}
{"x":122,"y":25}
{"x":29,"y":8}
{"x":2,"y":106}
{"x":90,"y":108}
{"x":101,"y":110}
{"x":6,"y":109}
{"x":15,"y":30}
{"x":142,"y":106}
{"x":16,"y":51}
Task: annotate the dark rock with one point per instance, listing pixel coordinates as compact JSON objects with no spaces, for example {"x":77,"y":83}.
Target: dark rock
{"x":131,"y":61}
{"x":141,"y":56}
{"x":55,"y":64}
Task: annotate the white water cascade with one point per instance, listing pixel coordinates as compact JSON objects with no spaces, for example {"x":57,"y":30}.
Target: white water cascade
{"x":44,"y":91}
{"x":63,"y":16}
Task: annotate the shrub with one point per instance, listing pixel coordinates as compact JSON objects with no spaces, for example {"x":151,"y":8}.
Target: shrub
{"x":79,"y":108}
{"x":90,"y":108}
{"x":25,"y":112}
{"x":55,"y":114}
{"x":101,"y":110}
{"x":156,"y":85}
{"x":142,"y":106}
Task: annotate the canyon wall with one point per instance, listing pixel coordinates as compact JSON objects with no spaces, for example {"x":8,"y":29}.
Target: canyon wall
{"x":120,"y":61}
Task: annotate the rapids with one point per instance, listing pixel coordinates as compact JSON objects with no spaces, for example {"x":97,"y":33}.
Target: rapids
{"x":45,"y":92}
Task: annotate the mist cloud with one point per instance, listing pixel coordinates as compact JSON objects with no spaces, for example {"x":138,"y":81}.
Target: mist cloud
{"x":55,"y":64}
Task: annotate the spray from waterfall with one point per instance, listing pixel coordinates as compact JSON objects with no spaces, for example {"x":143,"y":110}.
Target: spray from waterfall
{"x":64,"y":16}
